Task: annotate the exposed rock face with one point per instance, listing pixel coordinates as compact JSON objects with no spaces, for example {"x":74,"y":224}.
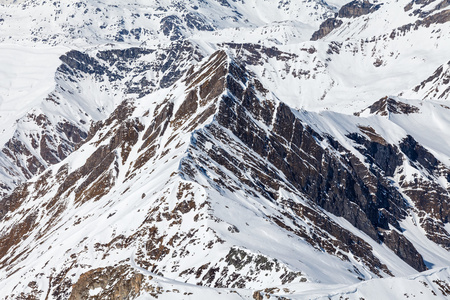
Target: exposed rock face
{"x":120,"y":282}
{"x":420,"y":2}
{"x":353,"y":9}
{"x":357,"y":8}
{"x":345,"y":241}
{"x":97,"y":169}
{"x":387,"y":105}
{"x":78,"y":61}
{"x":174,"y":27}
{"x":436,"y":86}
{"x":436,"y":231}
{"x":404,"y":249}
{"x":196,"y":21}
{"x":429,"y":196}
{"x":170,"y":26}
{"x":29,"y":153}
{"x":437,"y":18}
{"x":187,"y":156}
{"x":337,"y":185}
{"x":382,"y":157}
{"x":117,"y":64}
{"x":224,"y":135}
{"x":426,"y":19}
{"x":325,"y":28}
{"x":255,"y":54}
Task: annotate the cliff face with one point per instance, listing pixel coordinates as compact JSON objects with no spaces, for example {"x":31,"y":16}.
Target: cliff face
{"x":213,"y":151}
{"x":299,"y":158}
{"x":225,"y":143}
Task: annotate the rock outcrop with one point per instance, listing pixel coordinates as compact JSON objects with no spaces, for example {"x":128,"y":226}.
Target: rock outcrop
{"x":357,"y":8}
{"x":325,"y":28}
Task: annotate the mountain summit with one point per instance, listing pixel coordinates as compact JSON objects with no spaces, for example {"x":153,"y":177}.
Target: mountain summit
{"x":224,"y":149}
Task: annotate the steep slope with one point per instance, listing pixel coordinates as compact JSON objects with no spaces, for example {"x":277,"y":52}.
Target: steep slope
{"x":85,"y":88}
{"x":209,"y":149}
{"x":63,"y":102}
{"x":370,"y":50}
{"x":428,"y":285}
{"x":177,"y":187}
{"x":314,"y":76}
{"x":434,"y":87}
{"x":90,"y":22}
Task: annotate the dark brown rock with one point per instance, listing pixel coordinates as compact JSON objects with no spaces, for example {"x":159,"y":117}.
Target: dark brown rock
{"x":119,"y":282}
{"x":437,"y":18}
{"x":345,"y":240}
{"x":312,"y":170}
{"x":255,"y":54}
{"x":436,"y":231}
{"x":344,"y":186}
{"x":12,"y":237}
{"x":325,"y":28}
{"x":357,"y":8}
{"x":387,"y":105}
{"x":404,"y":249}
{"x":378,"y":153}
{"x":439,"y":83}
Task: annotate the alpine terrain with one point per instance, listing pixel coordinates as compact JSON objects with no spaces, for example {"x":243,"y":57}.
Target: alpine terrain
{"x":224,"y":149}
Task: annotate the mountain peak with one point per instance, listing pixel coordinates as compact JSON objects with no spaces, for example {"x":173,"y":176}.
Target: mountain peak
{"x":207,"y":149}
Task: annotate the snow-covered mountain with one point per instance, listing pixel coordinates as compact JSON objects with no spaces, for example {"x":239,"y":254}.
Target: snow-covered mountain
{"x":224,"y":149}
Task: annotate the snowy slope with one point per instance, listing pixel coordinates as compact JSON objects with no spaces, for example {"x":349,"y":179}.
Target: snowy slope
{"x":211,"y":149}
{"x":97,"y":22}
{"x":42,"y":28}
{"x":147,"y":162}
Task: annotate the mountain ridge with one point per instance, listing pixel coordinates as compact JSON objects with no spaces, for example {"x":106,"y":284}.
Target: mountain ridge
{"x":252,"y":169}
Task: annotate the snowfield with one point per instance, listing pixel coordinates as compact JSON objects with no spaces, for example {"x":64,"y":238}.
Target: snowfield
{"x":145,"y":150}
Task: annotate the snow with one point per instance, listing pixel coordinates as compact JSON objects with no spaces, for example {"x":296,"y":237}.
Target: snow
{"x":335,"y":86}
{"x":419,"y":286}
{"x":95,"y":291}
{"x":26,"y":77}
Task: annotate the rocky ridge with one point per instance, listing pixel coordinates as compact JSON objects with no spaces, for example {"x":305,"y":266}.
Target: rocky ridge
{"x":155,"y":171}
{"x":226,"y":110}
